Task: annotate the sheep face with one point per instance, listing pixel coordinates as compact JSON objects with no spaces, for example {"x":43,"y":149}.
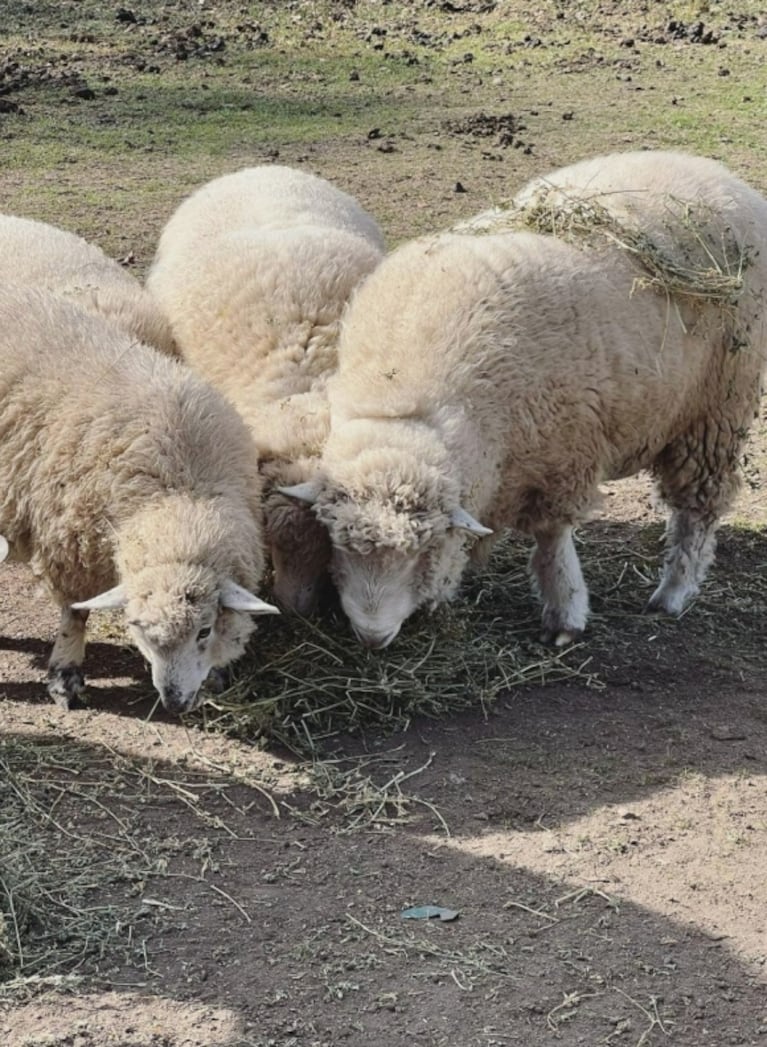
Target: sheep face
{"x":185,"y":621}
{"x":379,"y":590}
{"x":299,"y":548}
{"x":398,"y":539}
{"x":391,"y":557}
{"x":183,"y":631}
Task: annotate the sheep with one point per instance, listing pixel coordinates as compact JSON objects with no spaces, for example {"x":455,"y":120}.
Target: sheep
{"x":127,"y":483}
{"x":253,"y":271}
{"x":42,"y":255}
{"x":501,"y":377}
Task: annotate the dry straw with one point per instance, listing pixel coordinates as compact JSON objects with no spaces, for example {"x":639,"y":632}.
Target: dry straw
{"x":689,"y":253}
{"x":79,"y":873}
{"x":308,"y":682}
{"x":694,"y":256}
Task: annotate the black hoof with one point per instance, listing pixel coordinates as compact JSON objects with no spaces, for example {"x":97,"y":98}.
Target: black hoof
{"x":66,"y":686}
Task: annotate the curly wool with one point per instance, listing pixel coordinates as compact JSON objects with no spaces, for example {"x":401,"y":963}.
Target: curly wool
{"x":254,"y":272}
{"x":120,"y":465}
{"x":540,"y":369}
{"x":389,"y":498}
{"x":36,"y":254}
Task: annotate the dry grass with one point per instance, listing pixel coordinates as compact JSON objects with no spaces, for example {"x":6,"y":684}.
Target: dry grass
{"x":700,"y":258}
{"x":690,"y":255}
{"x":80,"y":875}
{"x":310,"y":682}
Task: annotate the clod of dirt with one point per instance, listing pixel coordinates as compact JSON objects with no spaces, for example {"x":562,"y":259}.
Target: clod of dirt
{"x":195,"y":41}
{"x":692,"y":32}
{"x":727,"y":732}
{"x":504,"y":127}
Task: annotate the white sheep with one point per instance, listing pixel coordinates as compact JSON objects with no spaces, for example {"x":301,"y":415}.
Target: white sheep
{"x":41,"y":255}
{"x":127,"y":482}
{"x":254,"y":271}
{"x":504,"y":376}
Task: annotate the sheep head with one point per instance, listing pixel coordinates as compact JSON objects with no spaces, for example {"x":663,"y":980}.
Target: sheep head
{"x":398,"y":536}
{"x":177,"y":560}
{"x":299,"y":545}
{"x":185,"y":622}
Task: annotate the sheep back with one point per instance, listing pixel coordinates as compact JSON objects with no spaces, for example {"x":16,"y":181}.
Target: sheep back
{"x":41,"y":255}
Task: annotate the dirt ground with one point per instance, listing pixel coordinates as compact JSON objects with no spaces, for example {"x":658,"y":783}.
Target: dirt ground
{"x":603,"y":841}
{"x":602,"y":837}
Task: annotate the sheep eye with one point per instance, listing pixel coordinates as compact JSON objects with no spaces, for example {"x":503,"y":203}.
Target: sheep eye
{"x":203,"y":634}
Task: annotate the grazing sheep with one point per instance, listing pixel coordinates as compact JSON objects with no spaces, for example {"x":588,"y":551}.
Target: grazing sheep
{"x":503,"y":377}
{"x":40,"y":255}
{"x":254,"y":271}
{"x":127,"y":482}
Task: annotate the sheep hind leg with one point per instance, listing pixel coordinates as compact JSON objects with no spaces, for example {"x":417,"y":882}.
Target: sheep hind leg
{"x":65,"y":681}
{"x":558,"y":579}
{"x":690,"y":547}
{"x":698,"y":479}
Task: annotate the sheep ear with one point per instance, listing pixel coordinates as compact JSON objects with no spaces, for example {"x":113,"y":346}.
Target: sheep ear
{"x":305,"y":492}
{"x":464,"y":521}
{"x":235,"y":598}
{"x":4,"y":550}
{"x":111,"y":600}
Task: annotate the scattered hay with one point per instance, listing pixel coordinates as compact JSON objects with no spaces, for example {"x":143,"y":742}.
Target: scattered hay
{"x":700,"y":258}
{"x":691,"y":255}
{"x":309,"y":682}
{"x":47,"y":875}
{"x":75,"y":864}
{"x":345,"y":789}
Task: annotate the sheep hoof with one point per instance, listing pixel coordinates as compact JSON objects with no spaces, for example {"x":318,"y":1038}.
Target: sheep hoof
{"x":664,"y":602}
{"x":560,"y":637}
{"x":66,"y":686}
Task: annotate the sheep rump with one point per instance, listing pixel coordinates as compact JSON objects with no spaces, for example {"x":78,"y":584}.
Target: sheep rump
{"x":36,"y":254}
{"x":127,"y":483}
{"x":504,"y":376}
{"x":253,"y":272}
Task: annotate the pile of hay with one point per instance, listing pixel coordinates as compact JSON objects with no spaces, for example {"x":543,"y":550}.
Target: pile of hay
{"x":308,"y":682}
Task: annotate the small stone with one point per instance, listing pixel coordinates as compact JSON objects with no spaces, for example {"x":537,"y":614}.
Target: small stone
{"x":727,"y":732}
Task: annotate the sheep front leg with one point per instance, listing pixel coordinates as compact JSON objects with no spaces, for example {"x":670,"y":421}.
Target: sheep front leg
{"x":690,"y":546}
{"x":558,"y":579}
{"x":65,"y":677}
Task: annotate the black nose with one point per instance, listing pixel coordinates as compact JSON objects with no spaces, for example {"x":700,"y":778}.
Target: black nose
{"x":172,"y":699}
